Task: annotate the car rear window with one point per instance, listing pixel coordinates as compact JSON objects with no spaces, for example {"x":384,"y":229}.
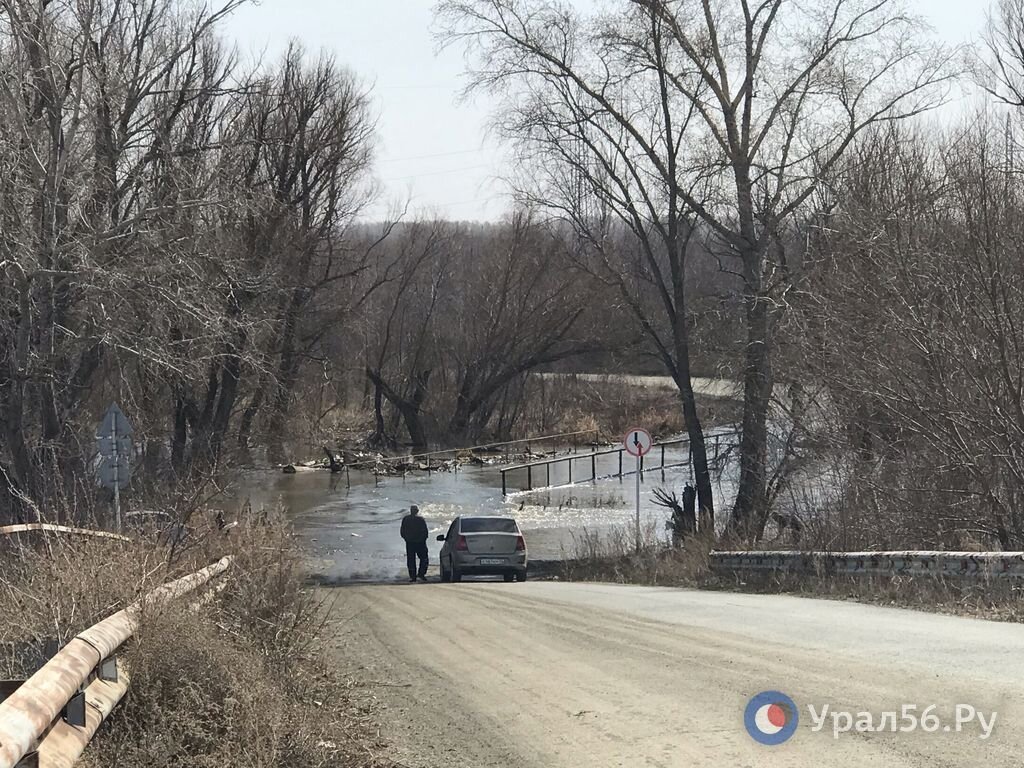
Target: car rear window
{"x":488,"y":525}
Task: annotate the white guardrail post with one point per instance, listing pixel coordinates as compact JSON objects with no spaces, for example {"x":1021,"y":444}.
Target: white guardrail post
{"x":31,"y":710}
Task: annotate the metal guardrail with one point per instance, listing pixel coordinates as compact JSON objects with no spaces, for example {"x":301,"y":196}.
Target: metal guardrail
{"x":10,"y":530}
{"x":46,"y":718}
{"x":910,"y":563}
{"x":713,"y":439}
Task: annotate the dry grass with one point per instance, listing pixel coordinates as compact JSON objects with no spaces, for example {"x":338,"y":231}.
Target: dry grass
{"x":612,"y":557}
{"x":993,"y":599}
{"x":611,"y":406}
{"x":241,"y":681}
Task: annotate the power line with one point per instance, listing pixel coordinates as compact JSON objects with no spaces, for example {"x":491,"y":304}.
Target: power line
{"x":485,"y":202}
{"x":439,"y":154}
{"x":437,"y":173}
{"x":416,"y":87}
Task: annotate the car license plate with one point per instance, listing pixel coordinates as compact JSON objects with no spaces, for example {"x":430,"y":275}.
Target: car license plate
{"x":492,"y":561}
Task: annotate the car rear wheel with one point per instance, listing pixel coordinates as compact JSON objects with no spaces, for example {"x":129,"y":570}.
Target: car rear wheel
{"x":508,"y":577}
{"x":521,"y":576}
{"x":456,"y":576}
{"x":446,"y":575}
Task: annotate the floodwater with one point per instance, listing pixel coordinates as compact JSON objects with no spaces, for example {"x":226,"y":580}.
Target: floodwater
{"x":703,"y":387}
{"x":350,"y":525}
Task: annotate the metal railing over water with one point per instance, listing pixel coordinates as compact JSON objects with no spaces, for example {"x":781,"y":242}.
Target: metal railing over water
{"x":571,"y":439}
{"x":717,"y":442}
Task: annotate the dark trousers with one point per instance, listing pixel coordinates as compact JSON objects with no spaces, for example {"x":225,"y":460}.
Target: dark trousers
{"x":412,"y":551}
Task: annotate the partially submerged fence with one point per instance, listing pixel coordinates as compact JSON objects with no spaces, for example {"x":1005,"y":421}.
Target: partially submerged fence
{"x":910,"y":563}
{"x":655,"y":461}
{"x":570,"y":439}
{"x":49,"y":719}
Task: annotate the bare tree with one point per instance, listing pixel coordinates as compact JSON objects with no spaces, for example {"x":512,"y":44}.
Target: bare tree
{"x":732,"y":111}
{"x":471,"y":313}
{"x":912,"y":323}
{"x":406,"y":349}
{"x":306,"y":138}
{"x":93,"y":99}
{"x":171,"y":229}
{"x":1000,"y":70}
{"x":516,"y":308}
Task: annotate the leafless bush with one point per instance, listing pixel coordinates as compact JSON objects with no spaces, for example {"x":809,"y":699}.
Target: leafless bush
{"x":240,"y":680}
{"x":911,"y":323}
{"x":612,"y":555}
{"x":53,"y":589}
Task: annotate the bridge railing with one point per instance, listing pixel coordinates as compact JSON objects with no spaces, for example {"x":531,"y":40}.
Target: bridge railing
{"x":655,"y":461}
{"x":49,"y":719}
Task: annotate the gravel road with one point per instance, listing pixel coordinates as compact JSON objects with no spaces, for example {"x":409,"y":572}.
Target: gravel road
{"x":547,"y":674}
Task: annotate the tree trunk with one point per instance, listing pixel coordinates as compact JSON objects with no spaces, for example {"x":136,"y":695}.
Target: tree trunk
{"x":22,"y":465}
{"x":681,"y":368}
{"x":749,"y":514}
{"x":417,"y":434}
{"x":213,"y":424}
{"x":225,"y":405}
{"x":12,"y":508}
{"x":179,"y":439}
{"x":408,"y":408}
{"x":249,"y":417}
{"x":287,"y":375}
{"x":698,"y":457}
{"x":379,"y":433}
{"x":414,"y":425}
{"x":458,"y":424}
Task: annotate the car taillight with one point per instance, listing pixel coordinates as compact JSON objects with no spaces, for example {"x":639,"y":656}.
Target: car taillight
{"x":461,"y":544}
{"x":520,"y":544}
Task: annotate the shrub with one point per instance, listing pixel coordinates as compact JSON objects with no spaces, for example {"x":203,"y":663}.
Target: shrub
{"x":233,"y":674}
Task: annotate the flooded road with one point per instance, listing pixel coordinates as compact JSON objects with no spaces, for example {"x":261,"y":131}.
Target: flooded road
{"x":352,"y":532}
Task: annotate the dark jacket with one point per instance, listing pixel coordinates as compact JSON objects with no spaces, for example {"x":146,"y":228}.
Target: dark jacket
{"x":414,"y":529}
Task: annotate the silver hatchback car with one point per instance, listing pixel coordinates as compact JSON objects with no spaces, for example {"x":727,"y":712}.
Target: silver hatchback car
{"x":483,"y":546}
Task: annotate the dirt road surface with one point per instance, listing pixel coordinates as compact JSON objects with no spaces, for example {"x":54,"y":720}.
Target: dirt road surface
{"x":550,"y":675}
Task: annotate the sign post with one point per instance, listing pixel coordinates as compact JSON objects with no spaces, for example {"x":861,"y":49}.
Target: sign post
{"x":114,"y":440}
{"x":638,"y":443}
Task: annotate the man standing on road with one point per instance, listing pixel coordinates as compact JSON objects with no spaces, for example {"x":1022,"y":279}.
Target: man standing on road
{"x":414,"y":531}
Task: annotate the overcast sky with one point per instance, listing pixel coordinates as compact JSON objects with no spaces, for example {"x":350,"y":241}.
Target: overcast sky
{"x":433,"y":147}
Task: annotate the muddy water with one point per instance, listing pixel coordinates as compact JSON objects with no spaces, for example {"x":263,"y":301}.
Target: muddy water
{"x":351,"y":528}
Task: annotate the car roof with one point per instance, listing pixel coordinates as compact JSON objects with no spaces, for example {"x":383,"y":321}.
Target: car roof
{"x":485,"y":517}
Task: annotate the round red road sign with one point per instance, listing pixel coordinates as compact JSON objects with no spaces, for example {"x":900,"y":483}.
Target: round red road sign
{"x":638,"y":441}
